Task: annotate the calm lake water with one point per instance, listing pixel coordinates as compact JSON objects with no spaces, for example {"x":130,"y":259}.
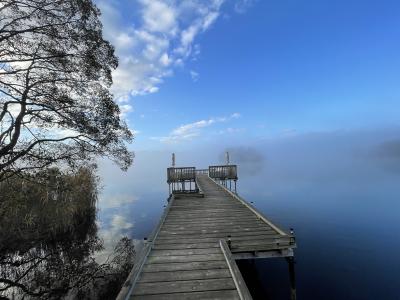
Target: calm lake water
{"x":346,"y":220}
{"x":340,"y":193}
{"x":348,"y":244}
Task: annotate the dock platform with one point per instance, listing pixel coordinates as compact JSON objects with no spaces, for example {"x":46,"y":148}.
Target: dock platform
{"x":191,"y":253}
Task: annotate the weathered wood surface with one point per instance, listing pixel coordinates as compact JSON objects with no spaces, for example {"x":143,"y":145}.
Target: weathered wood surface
{"x":186,"y":260}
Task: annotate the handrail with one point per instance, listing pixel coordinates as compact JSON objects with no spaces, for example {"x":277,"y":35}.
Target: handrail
{"x":133,"y":276}
{"x":181,"y":174}
{"x":223,"y":172}
{"x":240,"y":284}
{"x":253,"y":209}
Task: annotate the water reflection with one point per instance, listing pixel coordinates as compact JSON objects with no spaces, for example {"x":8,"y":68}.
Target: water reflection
{"x":270,"y":278}
{"x":49,"y":239}
{"x":339,"y":191}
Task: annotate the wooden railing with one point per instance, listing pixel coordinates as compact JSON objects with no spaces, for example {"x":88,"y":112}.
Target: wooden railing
{"x":181,"y":174}
{"x":223,"y":172}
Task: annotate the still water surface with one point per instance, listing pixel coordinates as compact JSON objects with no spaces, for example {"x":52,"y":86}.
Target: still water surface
{"x":347,"y":233}
{"x":340,"y":194}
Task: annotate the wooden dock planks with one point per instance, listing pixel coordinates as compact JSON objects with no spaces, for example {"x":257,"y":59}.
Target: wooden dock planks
{"x":190,"y":257}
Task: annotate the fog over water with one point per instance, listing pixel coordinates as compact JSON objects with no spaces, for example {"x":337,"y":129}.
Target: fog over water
{"x":339,"y":190}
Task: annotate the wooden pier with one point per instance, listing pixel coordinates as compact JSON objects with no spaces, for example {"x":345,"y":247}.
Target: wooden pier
{"x":191,"y":253}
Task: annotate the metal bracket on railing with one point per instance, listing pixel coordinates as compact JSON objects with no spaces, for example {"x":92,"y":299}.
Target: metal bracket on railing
{"x":292,"y":240}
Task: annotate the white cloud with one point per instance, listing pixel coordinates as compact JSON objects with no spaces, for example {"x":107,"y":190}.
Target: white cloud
{"x":235,"y":115}
{"x":135,"y":132}
{"x":158,"y":16}
{"x":189,"y":131}
{"x":111,"y":235}
{"x":188,"y":128}
{"x":210,"y":19}
{"x":165,"y":60}
{"x":14,"y":109}
{"x":124,"y":109}
{"x":241,"y":6}
{"x":116,"y":200}
{"x":151,"y":46}
{"x":194,"y":75}
{"x":120,"y":223}
{"x":123,"y":40}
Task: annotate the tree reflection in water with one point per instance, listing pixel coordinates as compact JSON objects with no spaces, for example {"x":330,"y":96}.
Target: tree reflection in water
{"x":48,"y":239}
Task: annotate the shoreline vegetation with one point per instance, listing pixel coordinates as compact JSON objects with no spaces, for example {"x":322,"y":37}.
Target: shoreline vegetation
{"x":57,"y":116}
{"x":48,"y":239}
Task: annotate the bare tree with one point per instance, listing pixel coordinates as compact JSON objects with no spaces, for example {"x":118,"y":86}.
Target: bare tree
{"x":55,"y":74}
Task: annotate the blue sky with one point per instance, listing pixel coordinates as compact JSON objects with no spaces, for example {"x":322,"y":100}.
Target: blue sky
{"x":196,"y":71}
{"x":304,"y":95}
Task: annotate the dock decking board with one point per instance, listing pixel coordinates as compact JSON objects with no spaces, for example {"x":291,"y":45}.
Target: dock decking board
{"x":189,"y":256}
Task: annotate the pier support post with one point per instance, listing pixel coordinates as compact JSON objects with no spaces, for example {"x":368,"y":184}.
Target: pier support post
{"x":292,"y":276}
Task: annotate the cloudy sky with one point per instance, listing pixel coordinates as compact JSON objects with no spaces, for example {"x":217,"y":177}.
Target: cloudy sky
{"x":304,"y":93}
{"x":197,"y":71}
